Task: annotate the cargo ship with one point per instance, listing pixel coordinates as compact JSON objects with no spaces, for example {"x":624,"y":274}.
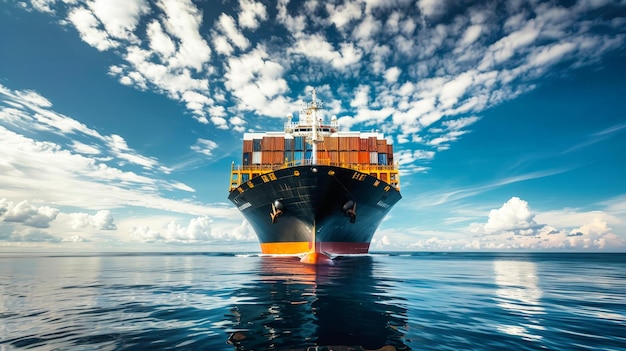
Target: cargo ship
{"x":314,"y":188}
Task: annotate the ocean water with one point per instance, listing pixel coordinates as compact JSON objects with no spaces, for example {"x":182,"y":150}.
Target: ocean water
{"x":419,"y":301}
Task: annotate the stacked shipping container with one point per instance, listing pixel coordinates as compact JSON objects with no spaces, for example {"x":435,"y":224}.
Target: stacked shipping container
{"x":349,"y":148}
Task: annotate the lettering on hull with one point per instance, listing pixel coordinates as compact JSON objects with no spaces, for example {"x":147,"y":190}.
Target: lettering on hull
{"x":244,"y":206}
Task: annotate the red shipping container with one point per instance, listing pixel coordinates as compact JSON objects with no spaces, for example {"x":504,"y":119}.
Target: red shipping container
{"x":266,"y":144}
{"x":363,"y":144}
{"x":381,"y":146}
{"x":247,"y":146}
{"x":371,"y":144}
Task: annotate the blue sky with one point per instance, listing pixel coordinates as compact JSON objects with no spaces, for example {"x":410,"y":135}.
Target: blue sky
{"x":119,"y":120}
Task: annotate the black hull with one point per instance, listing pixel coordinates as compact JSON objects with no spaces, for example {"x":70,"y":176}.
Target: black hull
{"x":315,"y":204}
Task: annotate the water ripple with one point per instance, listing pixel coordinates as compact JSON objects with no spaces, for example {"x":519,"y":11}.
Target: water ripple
{"x":248,"y":302}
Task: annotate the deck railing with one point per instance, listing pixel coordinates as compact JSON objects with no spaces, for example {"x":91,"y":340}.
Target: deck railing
{"x":242,"y":173}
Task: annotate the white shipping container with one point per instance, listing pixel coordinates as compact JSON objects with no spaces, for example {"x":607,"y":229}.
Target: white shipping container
{"x":373,"y":157}
{"x":256,"y":157}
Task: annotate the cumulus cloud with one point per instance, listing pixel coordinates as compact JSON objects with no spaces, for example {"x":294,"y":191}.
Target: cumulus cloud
{"x":102,"y":220}
{"x":514,"y":216}
{"x":27,"y":214}
{"x":513,"y":226}
{"x":198,"y":230}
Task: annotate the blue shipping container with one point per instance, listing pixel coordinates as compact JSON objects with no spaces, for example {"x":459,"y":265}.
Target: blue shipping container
{"x":297,"y":157}
{"x":288,"y":156}
{"x":382,"y":159}
{"x":299,"y":143}
{"x":288,"y":144}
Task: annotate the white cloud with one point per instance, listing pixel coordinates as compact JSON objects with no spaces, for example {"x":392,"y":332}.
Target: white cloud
{"x":361,"y":96}
{"x":317,"y":48}
{"x":458,"y":124}
{"x":342,"y":14}
{"x":160,"y":42}
{"x":471,"y":34}
{"x":251,"y":13}
{"x":226,"y":25}
{"x":68,"y":175}
{"x":119,"y":17}
{"x":85,"y":149}
{"x":29,"y":96}
{"x":204,"y":146}
{"x":551,"y":54}
{"x":182,"y":20}
{"x":43,"y":5}
{"x":102,"y":220}
{"x":29,"y":215}
{"x":515,"y":216}
{"x":90,"y":29}
{"x":513,"y":226}
{"x":198,"y":230}
{"x":431,"y":8}
{"x":392,"y":74}
{"x":257,"y":81}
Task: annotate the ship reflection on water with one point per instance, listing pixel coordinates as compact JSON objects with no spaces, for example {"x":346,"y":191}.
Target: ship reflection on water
{"x":293,"y":306}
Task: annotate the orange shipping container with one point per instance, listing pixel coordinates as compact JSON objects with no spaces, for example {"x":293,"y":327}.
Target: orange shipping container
{"x":267,"y":157}
{"x":334,"y":156}
{"x":279,"y":144}
{"x":354,"y":157}
{"x":323,"y":157}
{"x":321,"y":146}
{"x":364,"y":156}
{"x":344,"y":156}
{"x":279,"y":157}
{"x":332,"y":144}
{"x":344,"y":143}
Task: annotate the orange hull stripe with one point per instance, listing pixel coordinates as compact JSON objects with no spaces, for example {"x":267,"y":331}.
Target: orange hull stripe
{"x":286,"y":248}
{"x":298,"y":247}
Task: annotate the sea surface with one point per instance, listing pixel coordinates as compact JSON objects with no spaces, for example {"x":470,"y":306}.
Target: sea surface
{"x":408,"y":301}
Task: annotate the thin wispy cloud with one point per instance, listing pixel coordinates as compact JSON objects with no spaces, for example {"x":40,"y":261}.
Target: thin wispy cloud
{"x":450,"y":196}
{"x":81,"y":168}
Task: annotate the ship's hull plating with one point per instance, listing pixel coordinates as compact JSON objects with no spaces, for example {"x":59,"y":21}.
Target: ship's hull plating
{"x":338,"y":209}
